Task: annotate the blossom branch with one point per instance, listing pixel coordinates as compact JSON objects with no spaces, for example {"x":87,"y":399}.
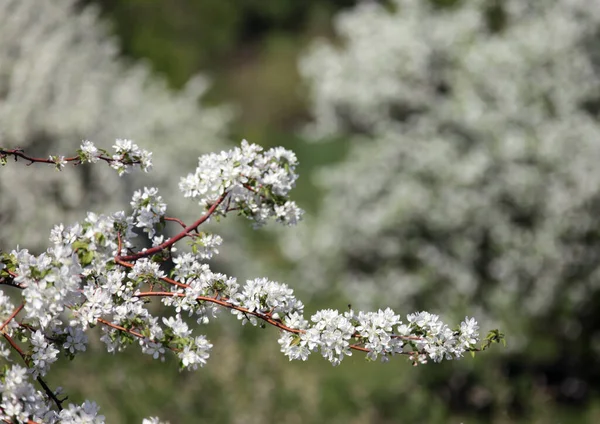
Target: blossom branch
{"x":267,"y":318}
{"x":16,"y":347}
{"x":171,"y":241}
{"x":57,"y":160}
{"x":177,"y":220}
{"x":26,"y":358}
{"x":127,"y":155}
{"x":93,"y":271}
{"x":120,"y":328}
{"x":224,"y":303}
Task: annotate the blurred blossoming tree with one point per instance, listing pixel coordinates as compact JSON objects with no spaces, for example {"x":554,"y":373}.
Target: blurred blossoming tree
{"x":472,"y":176}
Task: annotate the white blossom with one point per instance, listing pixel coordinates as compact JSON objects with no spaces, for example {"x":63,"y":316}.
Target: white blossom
{"x":89,"y":151}
{"x":254,"y":182}
{"x":44,"y":354}
{"x":180,"y":328}
{"x":84,"y":414}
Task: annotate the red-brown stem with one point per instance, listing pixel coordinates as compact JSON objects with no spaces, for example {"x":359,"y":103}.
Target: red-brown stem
{"x":18,"y":153}
{"x":228,"y":305}
{"x":10,"y":422}
{"x":14,"y":314}
{"x":249,"y":187}
{"x":118,"y":327}
{"x":168,"y":243}
{"x":16,"y":347}
{"x":132,"y":332}
{"x":263,"y":317}
{"x":47,"y":389}
{"x":165,"y":279}
{"x":177,"y":220}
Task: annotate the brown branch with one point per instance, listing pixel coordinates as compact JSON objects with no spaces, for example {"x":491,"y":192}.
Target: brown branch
{"x":129,"y":331}
{"x":252,"y":189}
{"x":27,"y":361}
{"x":14,"y":314}
{"x":10,"y":280}
{"x":20,"y":153}
{"x":122,"y":260}
{"x":51,"y":394}
{"x":118,"y":327}
{"x":265,"y":317}
{"x":76,"y":160}
{"x":177,"y":220}
{"x":16,"y":347}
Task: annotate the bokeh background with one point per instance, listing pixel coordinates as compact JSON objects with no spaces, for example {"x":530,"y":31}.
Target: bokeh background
{"x":449,"y":162}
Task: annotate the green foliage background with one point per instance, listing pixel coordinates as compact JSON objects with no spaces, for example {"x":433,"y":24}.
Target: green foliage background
{"x":250,"y":49}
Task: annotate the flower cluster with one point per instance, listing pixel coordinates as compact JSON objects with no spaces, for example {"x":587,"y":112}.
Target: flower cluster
{"x":129,"y":153}
{"x":381,"y":334}
{"x":266,"y":297}
{"x":97,"y":273}
{"x":257,"y":183}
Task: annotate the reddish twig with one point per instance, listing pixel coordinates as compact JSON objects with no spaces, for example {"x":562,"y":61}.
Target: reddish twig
{"x":39,"y":379}
{"x":76,"y":160}
{"x":14,"y":314}
{"x":177,"y":220}
{"x":16,"y":347}
{"x":265,"y":317}
{"x":171,"y":241}
{"x":129,"y":331}
{"x":118,"y":327}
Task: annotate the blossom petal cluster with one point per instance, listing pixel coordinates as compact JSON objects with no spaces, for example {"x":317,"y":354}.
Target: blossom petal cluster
{"x":258,"y":182}
{"x":381,"y":334}
{"x":100,"y":272}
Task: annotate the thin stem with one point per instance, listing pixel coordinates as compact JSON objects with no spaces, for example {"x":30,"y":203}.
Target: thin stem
{"x":177,"y":220}
{"x":118,"y":327}
{"x":265,"y":317}
{"x":51,"y":394}
{"x":19,"y":153}
{"x":228,"y":305}
{"x":132,"y":332}
{"x":14,"y":314}
{"x":16,"y":347}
